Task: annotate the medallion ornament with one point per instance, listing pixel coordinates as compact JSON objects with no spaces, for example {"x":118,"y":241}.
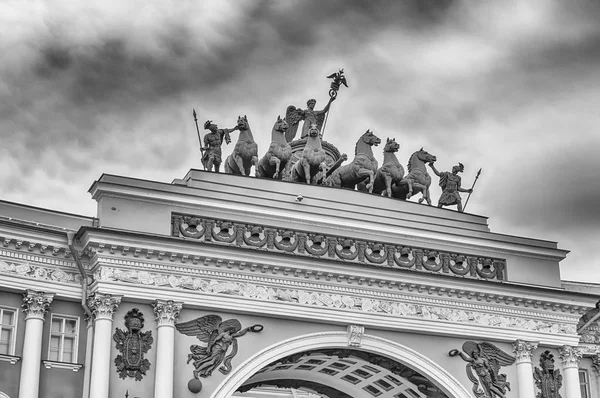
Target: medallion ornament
{"x":547,"y":379}
{"x":103,"y":305}
{"x":524,"y":350}
{"x":483,"y":366}
{"x":133,"y":344}
{"x":36,"y":304}
{"x":355,"y":334}
{"x":166,"y":311}
{"x":569,"y":356}
{"x":216,"y":336}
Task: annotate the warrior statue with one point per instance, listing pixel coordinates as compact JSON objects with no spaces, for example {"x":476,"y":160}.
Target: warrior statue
{"x":212,"y":145}
{"x":310,"y":116}
{"x":450,"y":183}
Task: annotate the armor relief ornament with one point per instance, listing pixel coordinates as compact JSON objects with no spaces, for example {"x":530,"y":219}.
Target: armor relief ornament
{"x":524,"y":350}
{"x":355,"y":334}
{"x":484,"y":361}
{"x":570,"y":356}
{"x":166,"y":311}
{"x":36,"y":304}
{"x":133,"y":344}
{"x":216,"y":337}
{"x":103,"y":306}
{"x":547,"y":379}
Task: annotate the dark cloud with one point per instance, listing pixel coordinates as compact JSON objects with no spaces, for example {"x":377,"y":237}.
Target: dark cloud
{"x":509,"y":86}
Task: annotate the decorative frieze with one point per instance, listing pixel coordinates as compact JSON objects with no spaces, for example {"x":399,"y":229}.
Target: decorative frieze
{"x":33,"y":271}
{"x":355,"y":334}
{"x":524,"y":350}
{"x":166,"y":311}
{"x":336,"y":248}
{"x":36,"y":304}
{"x":103,"y":305}
{"x":362,"y":300}
{"x":570,"y":356}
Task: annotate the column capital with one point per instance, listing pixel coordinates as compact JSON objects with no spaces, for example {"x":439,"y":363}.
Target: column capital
{"x":166,"y":311}
{"x":103,"y":306}
{"x":36,"y":304}
{"x":596,"y":364}
{"x":524,"y":350}
{"x":570,"y":356}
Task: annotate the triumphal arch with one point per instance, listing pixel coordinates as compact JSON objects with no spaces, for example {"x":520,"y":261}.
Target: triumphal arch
{"x":316,"y":277}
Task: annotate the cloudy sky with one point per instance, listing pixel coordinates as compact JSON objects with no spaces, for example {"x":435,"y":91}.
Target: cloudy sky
{"x":512,"y":86}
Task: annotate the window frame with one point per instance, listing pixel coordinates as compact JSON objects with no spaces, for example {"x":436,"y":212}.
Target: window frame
{"x":62,"y":334}
{"x":585,"y":383}
{"x":12,"y":345}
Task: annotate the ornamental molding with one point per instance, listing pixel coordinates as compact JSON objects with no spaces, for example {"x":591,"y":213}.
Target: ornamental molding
{"x":36,"y":304}
{"x":34,"y":271}
{"x":228,"y":268}
{"x":30,"y":248}
{"x":337,"y":248}
{"x":9,"y":358}
{"x":570,"y":356}
{"x":524,"y":350}
{"x":103,"y":306}
{"x":418,"y":294}
{"x":166,"y":312}
{"x":344,"y":298}
{"x":62,"y":365}
{"x":26,"y":256}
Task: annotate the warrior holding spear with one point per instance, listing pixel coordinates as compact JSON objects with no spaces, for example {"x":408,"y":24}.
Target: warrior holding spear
{"x":211,"y":151}
{"x":450,"y":183}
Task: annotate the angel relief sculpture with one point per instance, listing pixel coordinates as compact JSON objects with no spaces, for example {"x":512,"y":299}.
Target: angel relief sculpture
{"x":216,"y":337}
{"x":484,"y":362}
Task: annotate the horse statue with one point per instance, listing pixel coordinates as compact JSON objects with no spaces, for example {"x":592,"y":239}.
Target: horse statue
{"x":363,"y":166}
{"x":390,"y":173}
{"x":417,"y":180}
{"x":313,"y":158}
{"x":278,"y":155}
{"x":245,"y":153}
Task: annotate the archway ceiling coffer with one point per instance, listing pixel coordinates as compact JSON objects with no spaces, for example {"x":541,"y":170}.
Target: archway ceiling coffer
{"x":337,"y":248}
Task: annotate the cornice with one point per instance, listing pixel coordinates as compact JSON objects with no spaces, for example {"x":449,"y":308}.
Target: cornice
{"x":290,"y":266}
{"x":184,"y":198}
{"x":28,"y":246}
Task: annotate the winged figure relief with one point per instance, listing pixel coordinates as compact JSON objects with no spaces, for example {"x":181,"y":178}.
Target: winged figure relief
{"x":484,"y":361}
{"x":216,"y":337}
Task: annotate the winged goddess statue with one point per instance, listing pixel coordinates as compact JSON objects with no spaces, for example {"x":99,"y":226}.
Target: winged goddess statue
{"x":485,"y":359}
{"x":310,"y":116}
{"x":217,"y":336}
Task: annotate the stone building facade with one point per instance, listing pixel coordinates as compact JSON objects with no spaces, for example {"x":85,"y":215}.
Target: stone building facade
{"x":355,"y":295}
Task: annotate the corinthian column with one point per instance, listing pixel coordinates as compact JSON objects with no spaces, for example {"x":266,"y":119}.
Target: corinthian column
{"x":524,"y":353}
{"x":570,"y":357}
{"x":166,"y":314}
{"x":35,"y":306}
{"x":103,"y":307}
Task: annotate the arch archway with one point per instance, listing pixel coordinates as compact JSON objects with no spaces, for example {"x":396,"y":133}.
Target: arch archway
{"x":3,"y":395}
{"x":324,"y":340}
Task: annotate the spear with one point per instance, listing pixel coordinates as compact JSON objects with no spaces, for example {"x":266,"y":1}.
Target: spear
{"x":199,"y":139}
{"x":467,"y":201}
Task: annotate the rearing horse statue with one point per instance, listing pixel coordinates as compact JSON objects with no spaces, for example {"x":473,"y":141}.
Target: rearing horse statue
{"x":417,"y":179}
{"x":363,"y":166}
{"x":245,"y":153}
{"x":279,"y":153}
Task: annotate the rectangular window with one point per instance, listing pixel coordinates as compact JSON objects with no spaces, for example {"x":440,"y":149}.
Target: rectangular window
{"x":63,"y":339}
{"x":8,"y":324}
{"x":584,"y":383}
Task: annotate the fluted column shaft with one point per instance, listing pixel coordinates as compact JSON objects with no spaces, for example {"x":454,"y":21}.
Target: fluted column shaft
{"x":570,"y":357}
{"x":524,"y":353}
{"x":35,"y":306}
{"x":103,"y":306}
{"x":166,"y":314}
